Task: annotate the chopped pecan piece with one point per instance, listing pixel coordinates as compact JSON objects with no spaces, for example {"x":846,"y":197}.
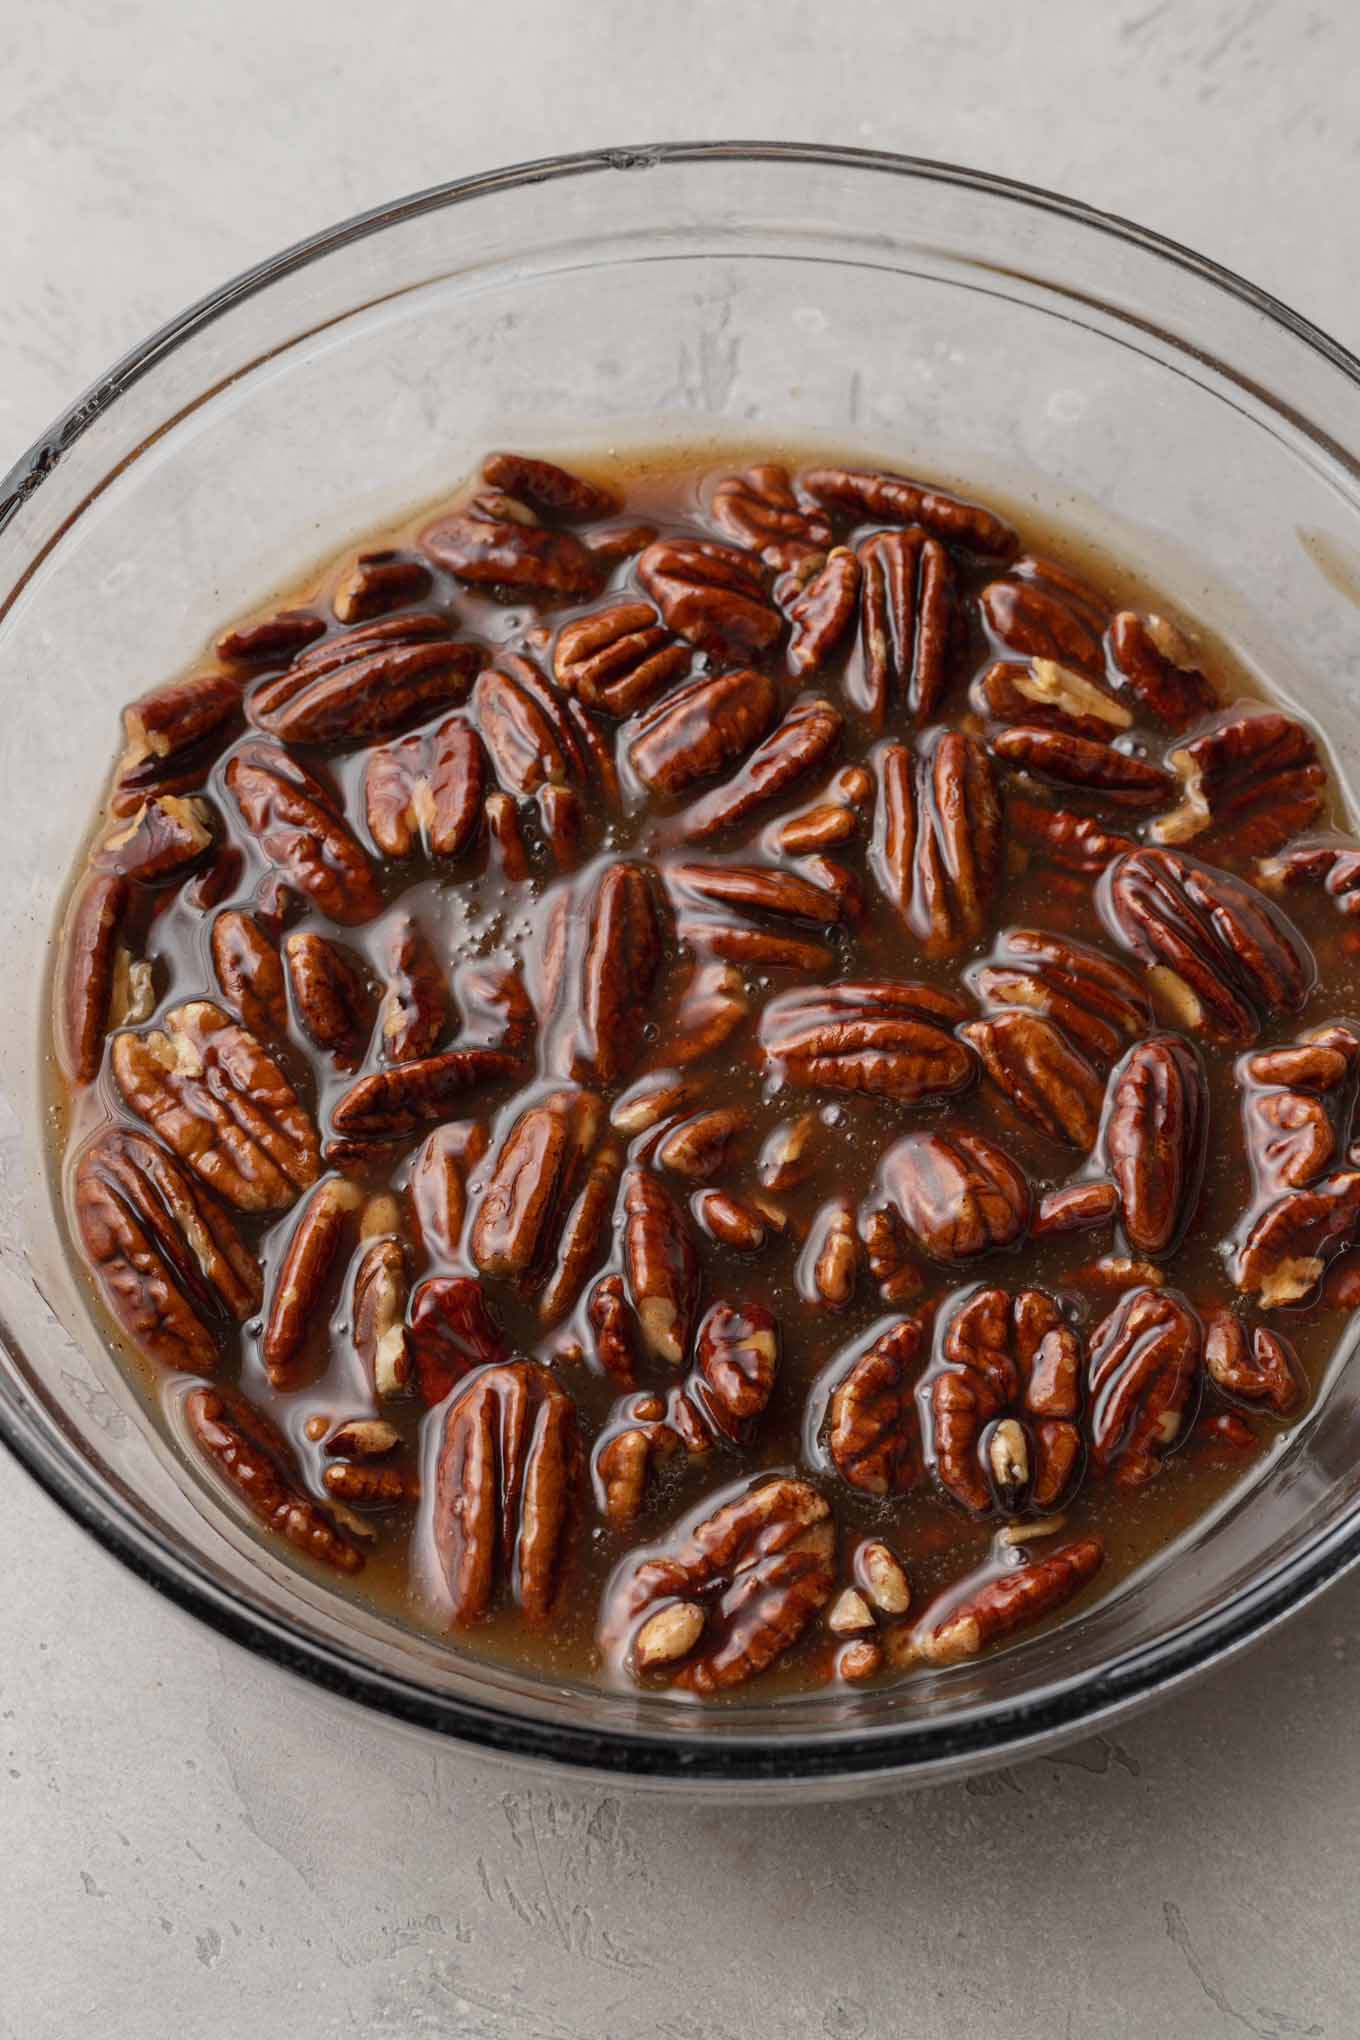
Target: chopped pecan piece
{"x":451,"y":1332}
{"x":1154,"y":662}
{"x":1074,"y":1208}
{"x":1087,"y":767}
{"x":378,"y":583}
{"x":787,"y":1157}
{"x":333,"y":996}
{"x":936,"y":851}
{"x":711,"y":594}
{"x":415,"y":1005}
{"x":427,"y":791}
{"x":412,"y":1094}
{"x":611,"y":1328}
{"x":1075,"y":842}
{"x":222,"y":1104}
{"x":693,"y":732}
{"x":1156,"y":1136}
{"x":499,"y":544}
{"x":802,"y":741}
{"x":178,"y":722}
{"x":303,"y":1276}
{"x":755,"y":1572}
{"x":873,"y":1428}
{"x":1262,"y":1368}
{"x":532,"y":1179}
{"x":1036,"y":1068}
{"x":731,"y":1221}
{"x":697,"y":1147}
{"x":618,"y":659}
{"x":1143,"y":1382}
{"x":1042,"y":612}
{"x":1297,"y":1106}
{"x":272,"y":639}
{"x":1004,"y":1400}
{"x":822,"y":611}
{"x":883,"y":1038}
{"x":250,"y":972}
{"x":1286,"y":1251}
{"x":660,"y":1265}
{"x":164,"y":1254}
{"x":89,"y":946}
{"x":1098,"y":1004}
{"x":958,"y":1194}
{"x":829,"y":1268}
{"x":892,"y":499}
{"x":1013,"y":1600}
{"x":378,"y":1315}
{"x":1045,"y":695}
{"x":301,"y":833}
{"x":1248,"y":784}
{"x":1225,"y":955}
{"x":506,"y":1490}
{"x":758,"y":508}
{"x":371,"y":1487}
{"x":548,"y":487}
{"x":710,"y":1009}
{"x":367,"y":682}
{"x":909,"y":626}
{"x":250,"y":1455}
{"x":1333,"y":862}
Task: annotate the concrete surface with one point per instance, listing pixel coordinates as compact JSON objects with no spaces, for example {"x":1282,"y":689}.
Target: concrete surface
{"x":189,"y":1845}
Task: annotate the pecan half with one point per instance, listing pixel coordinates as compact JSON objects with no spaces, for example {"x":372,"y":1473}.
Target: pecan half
{"x":873,"y":1429}
{"x":829,"y":1267}
{"x":660,"y":1265}
{"x":1003,"y":1401}
{"x":367,"y":682}
{"x":415,"y":1005}
{"x":1225,"y":955}
{"x":548,"y":487}
{"x":536,"y":1170}
{"x":1099,"y":1005}
{"x":736,"y":1359}
{"x":1153,"y":661}
{"x":451,"y":1332}
{"x":412,"y":1094}
{"x":693,"y":732}
{"x":805,"y":739}
{"x":582,"y":1235}
{"x":333,"y":996}
{"x":909,"y":626}
{"x":1043,"y":612}
{"x":1013,"y":1600}
{"x":301,"y":833}
{"x":754,"y":1572}
{"x":957,"y":1193}
{"x":618,"y":659}
{"x":1076,"y":842}
{"x":303,"y":1276}
{"x":1143,"y":1382}
{"x":1036,"y":1068}
{"x":246,"y":1452}
{"x":1156,"y":1136}
{"x":271,"y":639}
{"x":1045,"y":695}
{"x":821,"y":612}
{"x":498,"y":543}
{"x":161,"y":840}
{"x":178,"y":721}
{"x":710,"y":594}
{"x":731,"y":1221}
{"x":880,"y":1037}
{"x":611,"y":1329}
{"x":249,"y":972}
{"x":222,"y":1104}
{"x":1255,"y":1369}
{"x":758,"y":509}
{"x":427,"y":791}
{"x":893,"y":499}
{"x":378,"y":583}
{"x":438,"y":1185}
{"x":165,"y":1256}
{"x":1286,"y":1251}
{"x":612,"y":968}
{"x":697,"y":1147}
{"x":1248,"y":784}
{"x":1060,"y":759}
{"x":506,"y":1490}
{"x":1333,"y":862}
{"x":89,"y":946}
{"x":378,"y":1316}
{"x":936,"y":850}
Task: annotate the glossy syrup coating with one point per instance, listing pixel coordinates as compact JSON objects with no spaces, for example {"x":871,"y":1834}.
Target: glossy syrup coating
{"x":692,"y":1075}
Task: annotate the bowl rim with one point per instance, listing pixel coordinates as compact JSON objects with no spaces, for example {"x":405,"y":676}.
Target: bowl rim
{"x":920,"y":1750}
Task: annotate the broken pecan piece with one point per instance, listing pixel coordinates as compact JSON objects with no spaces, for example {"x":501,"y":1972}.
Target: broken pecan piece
{"x":427,"y":791}
{"x":936,"y":851}
{"x":367,"y":682}
{"x":1223,"y":955}
{"x":758,"y":509}
{"x":378,"y":583}
{"x":754,"y":1573}
{"x":1154,"y":662}
{"x":804,"y":740}
{"x":617,"y":660}
{"x":1043,"y":1076}
{"x":249,"y":1454}
{"x":1076,"y":842}
{"x":1004,"y":1399}
{"x":161,"y":840}
{"x":660,"y":1265}
{"x":880,"y":1037}
{"x":1248,"y":784}
{"x":699,"y":728}
{"x":378,"y":1316}
{"x":1013,"y":1600}
{"x":506,"y":1490}
{"x":830,"y":1264}
{"x":164,"y":1254}
{"x":498,"y":543}
{"x":1332,"y":862}
{"x":736,"y":1358}
{"x":548,"y":487}
{"x":333,"y":996}
{"x":957,"y":1193}
{"x":873,"y":1428}
{"x":301,"y":834}
{"x":415,"y":1004}
{"x":222,"y":1104}
{"x":1045,"y":695}
{"x":1286,"y":1251}
{"x":1255,"y":1369}
{"x":1099,"y":1005}
{"x":713,"y":595}
{"x":1156,"y":1136}
{"x":1143,"y":1382}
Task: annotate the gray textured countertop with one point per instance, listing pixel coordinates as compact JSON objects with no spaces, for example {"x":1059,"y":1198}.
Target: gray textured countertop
{"x":190,"y":1844}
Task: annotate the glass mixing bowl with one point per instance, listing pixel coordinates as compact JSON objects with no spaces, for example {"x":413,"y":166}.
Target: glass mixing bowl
{"x":944,"y":322}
